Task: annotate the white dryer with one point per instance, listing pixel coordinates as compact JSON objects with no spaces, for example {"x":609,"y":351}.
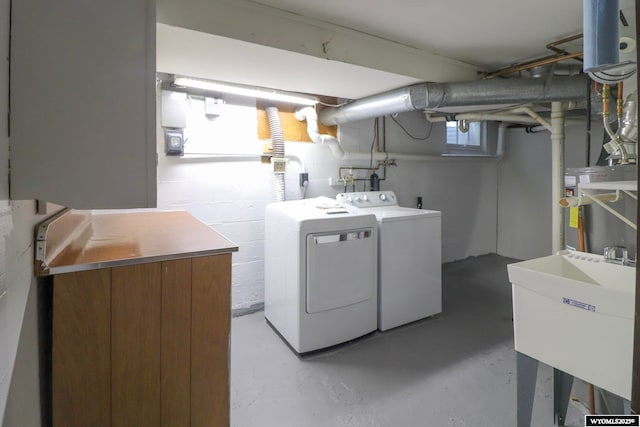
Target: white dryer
{"x":320,"y":272}
{"x":410,"y":257}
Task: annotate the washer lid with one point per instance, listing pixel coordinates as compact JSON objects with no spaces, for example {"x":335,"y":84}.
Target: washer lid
{"x":397,"y":213}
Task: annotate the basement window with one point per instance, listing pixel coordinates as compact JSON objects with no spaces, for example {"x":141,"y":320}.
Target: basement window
{"x":471,"y":140}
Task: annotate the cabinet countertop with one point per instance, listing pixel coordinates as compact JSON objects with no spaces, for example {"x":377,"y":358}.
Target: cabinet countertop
{"x":86,"y":240}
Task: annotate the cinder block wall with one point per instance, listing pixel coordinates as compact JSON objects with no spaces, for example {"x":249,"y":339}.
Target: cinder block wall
{"x":231,"y":196}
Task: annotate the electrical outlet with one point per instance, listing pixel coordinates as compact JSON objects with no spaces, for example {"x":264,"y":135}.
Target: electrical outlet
{"x":304,"y":179}
{"x":336,"y":182}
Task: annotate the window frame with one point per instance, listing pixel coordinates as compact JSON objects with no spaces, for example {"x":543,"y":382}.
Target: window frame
{"x":481,"y":147}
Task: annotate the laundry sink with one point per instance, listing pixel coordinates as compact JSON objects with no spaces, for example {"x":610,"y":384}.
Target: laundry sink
{"x":575,"y":312}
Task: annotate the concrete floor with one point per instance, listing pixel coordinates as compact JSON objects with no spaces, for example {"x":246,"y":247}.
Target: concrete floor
{"x":455,"y":369}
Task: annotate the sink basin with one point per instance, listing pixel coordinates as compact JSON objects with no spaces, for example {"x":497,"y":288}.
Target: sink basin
{"x":575,"y":312}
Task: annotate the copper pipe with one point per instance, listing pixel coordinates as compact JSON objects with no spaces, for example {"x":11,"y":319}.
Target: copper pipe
{"x":592,"y":399}
{"x":605,"y":102}
{"x":531,"y":64}
{"x":619,"y":104}
{"x":552,"y":45}
{"x":381,"y":163}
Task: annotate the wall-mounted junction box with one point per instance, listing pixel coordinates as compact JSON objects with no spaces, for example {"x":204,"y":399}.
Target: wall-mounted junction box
{"x":173,"y":142}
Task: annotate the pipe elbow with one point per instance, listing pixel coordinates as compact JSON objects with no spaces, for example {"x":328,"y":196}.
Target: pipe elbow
{"x":305,"y":113}
{"x":309,"y":114}
{"x":333,"y":144}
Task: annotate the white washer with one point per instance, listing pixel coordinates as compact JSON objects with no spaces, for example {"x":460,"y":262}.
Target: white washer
{"x":320,"y":272}
{"x":410,"y":257}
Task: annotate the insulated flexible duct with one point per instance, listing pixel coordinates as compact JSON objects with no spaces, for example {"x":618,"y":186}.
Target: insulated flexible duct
{"x":436,"y":96}
{"x":277,"y":140}
{"x":629,"y":129}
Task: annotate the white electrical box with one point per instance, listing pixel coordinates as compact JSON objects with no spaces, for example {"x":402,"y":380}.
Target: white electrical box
{"x":213,"y":107}
{"x":174,"y":109}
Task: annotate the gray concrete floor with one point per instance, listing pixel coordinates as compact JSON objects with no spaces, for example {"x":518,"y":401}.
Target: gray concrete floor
{"x":455,"y":369}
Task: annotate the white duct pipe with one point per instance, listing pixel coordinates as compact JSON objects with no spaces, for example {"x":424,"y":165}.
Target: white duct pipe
{"x":220,"y":157}
{"x":309,"y":114}
{"x":479,"y":117}
{"x":557,"y":175}
{"x":512,"y":115}
{"x":535,"y":116}
{"x":576,"y":201}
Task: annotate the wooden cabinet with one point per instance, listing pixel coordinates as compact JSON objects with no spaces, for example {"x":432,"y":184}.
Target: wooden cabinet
{"x":141,"y":319}
{"x":143,"y":344}
{"x":82,"y":99}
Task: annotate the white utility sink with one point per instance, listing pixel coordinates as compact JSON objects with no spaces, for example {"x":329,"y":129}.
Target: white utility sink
{"x":575,"y":312}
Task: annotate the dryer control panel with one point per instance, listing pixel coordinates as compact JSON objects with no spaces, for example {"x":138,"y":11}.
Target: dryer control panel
{"x":368,"y":199}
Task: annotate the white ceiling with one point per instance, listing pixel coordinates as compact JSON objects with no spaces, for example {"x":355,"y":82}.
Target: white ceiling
{"x":489,"y":33}
{"x":186,"y":52}
{"x":356,"y":48}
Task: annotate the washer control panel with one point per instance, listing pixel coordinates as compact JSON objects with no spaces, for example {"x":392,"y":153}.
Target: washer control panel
{"x":367,"y":199}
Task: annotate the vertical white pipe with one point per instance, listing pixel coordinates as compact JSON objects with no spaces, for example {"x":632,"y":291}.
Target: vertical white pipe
{"x":557,"y":175}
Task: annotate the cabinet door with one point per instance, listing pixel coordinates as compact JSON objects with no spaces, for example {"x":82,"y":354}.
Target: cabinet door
{"x":81,"y":356}
{"x":210,"y":328}
{"x":175,"y":353}
{"x":83,"y":102}
{"x":136,"y":297}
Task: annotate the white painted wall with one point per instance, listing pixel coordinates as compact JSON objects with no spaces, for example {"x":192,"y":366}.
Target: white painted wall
{"x":19,"y":387}
{"x":524,"y":187}
{"x":231,"y":196}
{"x":463,"y":189}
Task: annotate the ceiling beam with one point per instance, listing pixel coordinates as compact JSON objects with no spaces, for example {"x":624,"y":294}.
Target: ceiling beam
{"x":263,"y":25}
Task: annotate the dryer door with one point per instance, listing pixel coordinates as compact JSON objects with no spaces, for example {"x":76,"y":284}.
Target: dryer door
{"x":341,"y":269}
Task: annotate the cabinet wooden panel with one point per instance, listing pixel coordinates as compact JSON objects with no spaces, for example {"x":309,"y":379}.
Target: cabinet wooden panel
{"x":176,"y":343}
{"x":143,"y":345}
{"x":211,"y":319}
{"x":135,"y":348}
{"x":81,"y":349}
{"x":83,"y":102}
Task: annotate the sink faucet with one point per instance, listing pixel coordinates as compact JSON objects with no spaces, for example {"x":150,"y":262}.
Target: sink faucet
{"x":618,"y":255}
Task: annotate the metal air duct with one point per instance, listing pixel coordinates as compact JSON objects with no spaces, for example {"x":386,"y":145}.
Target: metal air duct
{"x":439,"y":96}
